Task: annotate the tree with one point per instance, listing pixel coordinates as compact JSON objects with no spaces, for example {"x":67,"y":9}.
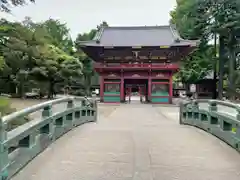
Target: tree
{"x":41,"y":55}
{"x":59,"y":33}
{"x":5,"y":4}
{"x":56,"y":66}
{"x":207,"y":18}
{"x":191,"y":23}
{"x":30,"y":56}
{"x":17,"y":51}
{"x":88,"y":71}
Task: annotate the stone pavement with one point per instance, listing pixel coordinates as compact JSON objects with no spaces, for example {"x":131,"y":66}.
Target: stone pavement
{"x":135,"y":142}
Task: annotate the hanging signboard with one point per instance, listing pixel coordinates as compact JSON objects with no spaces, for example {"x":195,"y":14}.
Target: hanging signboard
{"x":97,"y":91}
{"x":192,"y":88}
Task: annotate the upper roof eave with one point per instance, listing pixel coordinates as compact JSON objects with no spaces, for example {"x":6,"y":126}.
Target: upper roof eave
{"x":179,"y":38}
{"x":94,"y":44}
{"x":178,"y":41}
{"x":88,"y":43}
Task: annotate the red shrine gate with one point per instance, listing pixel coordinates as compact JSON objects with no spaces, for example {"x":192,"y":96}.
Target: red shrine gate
{"x":140,"y":60}
{"x":152,"y":85}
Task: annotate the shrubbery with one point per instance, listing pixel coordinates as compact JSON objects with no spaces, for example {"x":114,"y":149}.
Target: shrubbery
{"x":5,"y":109}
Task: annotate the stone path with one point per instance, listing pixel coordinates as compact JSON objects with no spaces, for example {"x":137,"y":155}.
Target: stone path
{"x":135,"y":142}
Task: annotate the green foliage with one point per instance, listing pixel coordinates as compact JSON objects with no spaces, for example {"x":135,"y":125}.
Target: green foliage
{"x":41,"y":55}
{"x":5,"y":106}
{"x":191,"y":23}
{"x":5,"y":109}
{"x":2,"y":63}
{"x":196,"y":66}
{"x":88,"y":71}
{"x":201,"y":20}
{"x":5,"y":4}
{"x":59,"y":34}
{"x":33,"y":53}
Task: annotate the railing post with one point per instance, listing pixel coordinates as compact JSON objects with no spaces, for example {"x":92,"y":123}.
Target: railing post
{"x":96,"y":110}
{"x":84,"y":102}
{"x":195,"y":105}
{"x":238,"y":118}
{"x":46,"y":113}
{"x":212,"y":105}
{"x":181,"y":113}
{"x":70,"y":104}
{"x":195,"y":113}
{"x":3,"y":151}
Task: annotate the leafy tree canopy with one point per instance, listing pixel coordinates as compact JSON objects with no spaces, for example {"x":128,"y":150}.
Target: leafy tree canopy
{"x":36,"y":52}
{"x":42,"y":55}
{"x":197,"y":19}
{"x":5,"y":5}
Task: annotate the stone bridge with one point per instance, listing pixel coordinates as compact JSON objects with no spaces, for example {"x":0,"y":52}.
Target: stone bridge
{"x":127,"y":142}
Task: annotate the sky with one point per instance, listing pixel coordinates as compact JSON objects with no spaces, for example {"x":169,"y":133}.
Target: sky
{"x":84,"y":15}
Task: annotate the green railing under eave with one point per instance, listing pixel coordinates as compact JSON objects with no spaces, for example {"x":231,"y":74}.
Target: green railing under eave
{"x":22,"y":144}
{"x":220,"y":118}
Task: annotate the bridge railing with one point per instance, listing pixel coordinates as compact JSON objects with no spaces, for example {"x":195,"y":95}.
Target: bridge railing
{"x":220,"y":118}
{"x":22,"y":144}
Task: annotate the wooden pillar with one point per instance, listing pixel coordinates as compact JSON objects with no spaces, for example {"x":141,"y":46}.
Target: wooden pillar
{"x":122,"y":88}
{"x":149,"y":87}
{"x":170,"y":88}
{"x":101,"y":88}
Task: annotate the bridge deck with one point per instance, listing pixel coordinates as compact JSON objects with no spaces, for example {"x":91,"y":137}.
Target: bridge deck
{"x":135,"y":142}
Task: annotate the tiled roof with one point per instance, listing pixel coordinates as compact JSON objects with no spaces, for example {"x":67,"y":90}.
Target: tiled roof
{"x":138,"y":36}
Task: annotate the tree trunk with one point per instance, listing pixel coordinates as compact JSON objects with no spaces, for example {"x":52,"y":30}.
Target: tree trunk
{"x":215,"y":68}
{"x":87,"y":84}
{"x":231,"y":73}
{"x":21,"y":90}
{"x":221,"y":67}
{"x":51,"y":90}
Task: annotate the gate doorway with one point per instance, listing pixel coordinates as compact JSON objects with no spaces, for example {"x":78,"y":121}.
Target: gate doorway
{"x":135,"y":90}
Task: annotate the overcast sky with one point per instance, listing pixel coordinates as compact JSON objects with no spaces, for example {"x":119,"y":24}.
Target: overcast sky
{"x":83,"y":15}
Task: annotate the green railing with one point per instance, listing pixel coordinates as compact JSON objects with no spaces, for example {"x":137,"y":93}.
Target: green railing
{"x":220,"y":118}
{"x":21,"y":145}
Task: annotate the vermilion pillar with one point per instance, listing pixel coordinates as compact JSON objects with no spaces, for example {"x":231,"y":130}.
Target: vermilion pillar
{"x":170,"y":88}
{"x":122,"y":88}
{"x":149,"y":87}
{"x":101,"y":88}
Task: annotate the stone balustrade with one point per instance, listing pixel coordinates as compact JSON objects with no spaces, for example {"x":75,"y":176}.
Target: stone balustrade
{"x":22,"y":144}
{"x":220,"y":118}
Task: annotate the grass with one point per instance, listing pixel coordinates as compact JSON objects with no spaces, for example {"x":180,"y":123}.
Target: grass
{"x":5,"y":106}
{"x":5,"y":109}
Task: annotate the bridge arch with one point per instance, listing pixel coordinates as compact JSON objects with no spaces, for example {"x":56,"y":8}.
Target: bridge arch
{"x":219,"y":118}
{"x":21,"y":145}
{"x":129,"y":141}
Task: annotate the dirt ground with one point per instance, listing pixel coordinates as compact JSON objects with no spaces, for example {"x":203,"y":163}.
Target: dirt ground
{"x":24,"y":103}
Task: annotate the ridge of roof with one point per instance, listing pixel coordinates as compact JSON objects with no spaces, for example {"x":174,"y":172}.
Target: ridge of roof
{"x":98,"y":35}
{"x":176,"y":35}
{"x":136,"y":27}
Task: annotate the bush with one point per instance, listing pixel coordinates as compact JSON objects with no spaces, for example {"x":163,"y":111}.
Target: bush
{"x":79,"y":92}
{"x":5,"y":109}
{"x":17,"y":122}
